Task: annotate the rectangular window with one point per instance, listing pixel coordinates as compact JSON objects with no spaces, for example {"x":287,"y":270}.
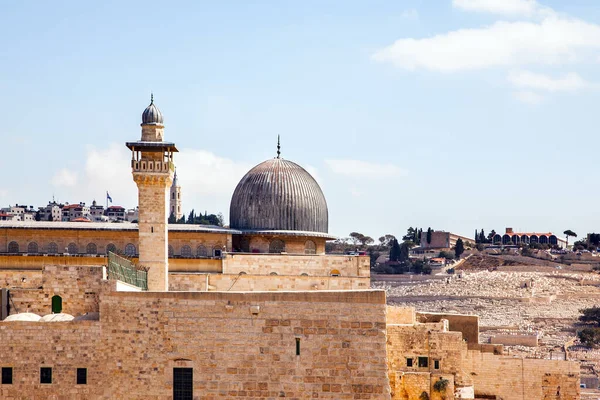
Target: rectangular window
{"x":7,"y":375}
{"x":82,"y":376}
{"x":45,"y":375}
{"x":297,"y":346}
{"x":409,"y":362}
{"x":183,"y":383}
{"x":423,"y":362}
{"x":436,"y":364}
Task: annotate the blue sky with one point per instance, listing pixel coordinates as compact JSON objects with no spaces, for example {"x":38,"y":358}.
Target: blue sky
{"x":454,"y":114}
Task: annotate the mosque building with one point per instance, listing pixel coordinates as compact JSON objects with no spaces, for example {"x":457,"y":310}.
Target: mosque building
{"x":267,"y":314}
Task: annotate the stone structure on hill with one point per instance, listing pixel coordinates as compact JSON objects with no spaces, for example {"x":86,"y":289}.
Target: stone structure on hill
{"x":297,"y":325}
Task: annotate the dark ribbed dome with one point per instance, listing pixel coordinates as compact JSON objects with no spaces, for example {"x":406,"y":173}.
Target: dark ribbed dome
{"x":279,"y":195}
{"x":152,"y":114}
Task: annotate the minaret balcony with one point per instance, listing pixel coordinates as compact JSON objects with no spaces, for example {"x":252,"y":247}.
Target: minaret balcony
{"x":152,"y":166}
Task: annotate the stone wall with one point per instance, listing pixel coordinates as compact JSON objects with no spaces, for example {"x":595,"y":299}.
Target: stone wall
{"x":429,"y":341}
{"x":401,"y":315}
{"x":290,"y":264}
{"x":517,"y":378}
{"x":232,"y":263}
{"x":239,"y":345}
{"x":468,"y":325}
{"x":102,"y":238}
{"x":78,"y":286}
{"x":246,"y":282}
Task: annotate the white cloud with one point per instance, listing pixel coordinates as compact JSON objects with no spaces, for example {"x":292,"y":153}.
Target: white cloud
{"x":207,"y":180}
{"x":553,"y":41}
{"x":363,"y":169}
{"x":411,"y":14}
{"x":64,"y":178}
{"x":203,"y":173}
{"x":529,"y":80}
{"x":528,"y":97}
{"x":507,"y":7}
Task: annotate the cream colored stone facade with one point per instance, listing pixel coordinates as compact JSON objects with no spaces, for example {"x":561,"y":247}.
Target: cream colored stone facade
{"x":243,"y":344}
{"x":153,"y":226}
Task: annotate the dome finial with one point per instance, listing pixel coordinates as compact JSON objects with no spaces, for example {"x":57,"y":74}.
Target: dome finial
{"x":151,"y":98}
{"x":278,"y":147}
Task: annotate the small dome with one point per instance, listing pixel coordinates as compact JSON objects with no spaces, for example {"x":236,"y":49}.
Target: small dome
{"x":26,"y":316}
{"x":278,"y":194}
{"x":152,"y":114}
{"x":60,"y":317}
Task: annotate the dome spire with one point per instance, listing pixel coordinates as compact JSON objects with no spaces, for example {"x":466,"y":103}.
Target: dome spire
{"x":278,"y":147}
{"x":151,"y":98}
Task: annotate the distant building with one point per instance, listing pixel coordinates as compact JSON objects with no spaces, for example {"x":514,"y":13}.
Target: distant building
{"x":175,"y":198}
{"x":516,"y":238}
{"x":18,"y":213}
{"x":97,"y":212}
{"x":52,"y":212}
{"x":132,"y":214}
{"x":115,"y":213}
{"x":71,"y":212}
{"x":442,"y":240}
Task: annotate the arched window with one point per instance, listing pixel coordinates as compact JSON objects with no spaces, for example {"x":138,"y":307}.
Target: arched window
{"x":276,"y":246}
{"x":201,"y":251}
{"x":111,"y":248}
{"x":56,"y":304}
{"x":186,"y":251}
{"x":304,"y":274}
{"x":334,"y":272}
{"x":130,"y":250}
{"x":171,"y":251}
{"x":72,"y":248}
{"x":52,"y":248}
{"x":245,"y":244}
{"x":13,"y":247}
{"x":273,"y":273}
{"x":543,"y":239}
{"x":505,"y":239}
{"x":552,"y":239}
{"x":310,"y":247}
{"x":533,"y":239}
{"x":91,"y":248}
{"x":32,"y":248}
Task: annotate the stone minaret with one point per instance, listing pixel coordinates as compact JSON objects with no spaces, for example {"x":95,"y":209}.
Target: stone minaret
{"x":175,"y":199}
{"x":152,"y":167}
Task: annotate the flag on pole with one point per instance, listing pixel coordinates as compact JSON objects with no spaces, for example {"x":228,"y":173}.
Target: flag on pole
{"x":108,"y":197}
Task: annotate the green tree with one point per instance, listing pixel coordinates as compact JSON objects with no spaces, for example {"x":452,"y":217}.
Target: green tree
{"x":192,"y":217}
{"x":395,"y":250}
{"x":568,"y":233}
{"x":172,"y":218}
{"x":410,"y":234}
{"x":459,"y":248}
{"x":594,"y":240}
{"x":428,"y":235}
{"x":591,"y":314}
{"x":589,"y":337}
{"x":181,"y":220}
{"x":404,"y":251}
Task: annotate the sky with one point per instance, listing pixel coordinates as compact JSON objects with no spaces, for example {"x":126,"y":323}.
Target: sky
{"x":451,"y":114}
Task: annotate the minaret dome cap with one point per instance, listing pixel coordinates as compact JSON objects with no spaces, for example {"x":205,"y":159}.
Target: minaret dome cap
{"x":152,"y":114}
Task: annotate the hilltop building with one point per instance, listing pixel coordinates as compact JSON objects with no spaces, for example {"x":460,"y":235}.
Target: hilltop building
{"x":278,"y":319}
{"x":175,"y":198}
{"x":516,"y":238}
